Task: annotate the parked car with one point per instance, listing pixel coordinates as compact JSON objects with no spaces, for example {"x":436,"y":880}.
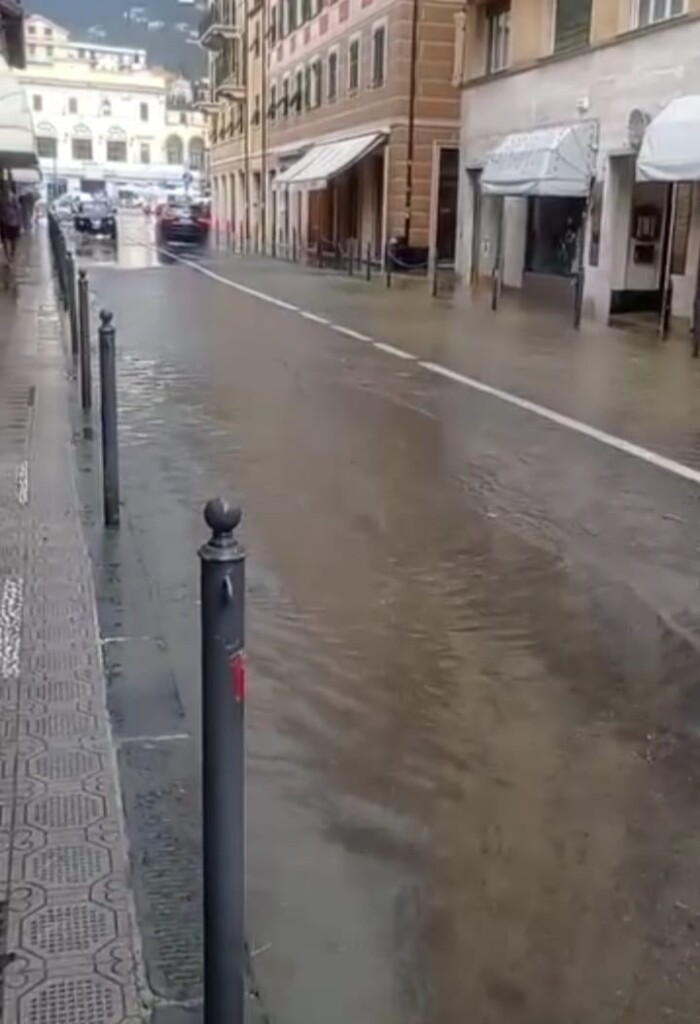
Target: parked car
{"x":66,"y":206}
{"x":184,"y":221}
{"x":97,"y":218}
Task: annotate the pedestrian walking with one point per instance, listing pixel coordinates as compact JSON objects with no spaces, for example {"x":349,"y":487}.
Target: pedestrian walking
{"x":10,"y":226}
{"x":27,"y":202}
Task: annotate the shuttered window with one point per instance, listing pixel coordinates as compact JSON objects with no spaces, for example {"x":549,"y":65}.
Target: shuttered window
{"x":573,"y":25}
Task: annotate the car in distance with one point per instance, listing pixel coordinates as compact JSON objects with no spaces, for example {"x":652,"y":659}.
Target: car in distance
{"x":184,"y":221}
{"x":97,"y":218}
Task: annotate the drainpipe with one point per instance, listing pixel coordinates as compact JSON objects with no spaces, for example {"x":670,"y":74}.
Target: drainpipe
{"x":263,"y":128}
{"x":411,"y":123}
{"x":246,"y":127}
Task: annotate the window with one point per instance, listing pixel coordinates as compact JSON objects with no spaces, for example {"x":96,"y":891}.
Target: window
{"x":315,"y":96}
{"x":298,"y":90}
{"x":48,"y":31}
{"x":72,"y":105}
{"x":32,"y":50}
{"x":31,"y":29}
{"x":255,"y":119}
{"x":498,"y":37}
{"x":81,"y":149}
{"x":573,"y":25}
{"x":307,"y":86}
{"x":47,"y":147}
{"x":306,"y":11}
{"x":255,"y":46}
{"x":37,"y":103}
{"x":144,"y":111}
{"x":174,"y":150}
{"x":272,"y":30}
{"x":116,"y":151}
{"x":291,"y":15}
{"x":272,"y":109}
{"x":49,"y":51}
{"x":650,"y":11}
{"x":106,"y":110}
{"x":285,"y":97}
{"x":332,"y":75}
{"x":378,"y":56}
{"x":145,"y":153}
{"x":354,"y":65}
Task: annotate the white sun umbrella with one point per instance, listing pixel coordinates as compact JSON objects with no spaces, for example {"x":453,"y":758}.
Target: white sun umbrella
{"x":17,"y":139}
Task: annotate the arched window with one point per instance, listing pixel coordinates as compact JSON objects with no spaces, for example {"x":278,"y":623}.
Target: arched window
{"x":81,"y":143}
{"x":46,"y":141}
{"x":196,"y":153}
{"x":174,"y":150}
{"x":116,"y":145}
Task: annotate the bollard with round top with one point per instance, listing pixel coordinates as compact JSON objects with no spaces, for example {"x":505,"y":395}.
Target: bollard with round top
{"x":84,"y":340}
{"x":108,"y":417}
{"x":222,"y":585}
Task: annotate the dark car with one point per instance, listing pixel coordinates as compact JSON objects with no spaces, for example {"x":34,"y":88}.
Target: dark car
{"x":184,"y":221}
{"x":96,"y":218}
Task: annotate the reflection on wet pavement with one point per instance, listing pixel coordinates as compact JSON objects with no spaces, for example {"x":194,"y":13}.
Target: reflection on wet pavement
{"x":473,"y":738}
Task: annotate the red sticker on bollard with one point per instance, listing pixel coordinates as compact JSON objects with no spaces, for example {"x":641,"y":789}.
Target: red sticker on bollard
{"x":237,"y":665}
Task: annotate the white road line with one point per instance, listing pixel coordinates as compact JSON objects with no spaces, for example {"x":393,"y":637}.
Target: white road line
{"x":585,"y":429}
{"x":11,"y":603}
{"x":392,"y":351}
{"x":232,"y":284}
{"x":315,"y":317}
{"x":173,"y":737}
{"x":23,"y":483}
{"x":618,"y":443}
{"x":349,"y":332}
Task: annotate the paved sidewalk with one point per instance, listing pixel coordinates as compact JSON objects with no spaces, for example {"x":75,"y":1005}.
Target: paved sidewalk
{"x":68,"y":937}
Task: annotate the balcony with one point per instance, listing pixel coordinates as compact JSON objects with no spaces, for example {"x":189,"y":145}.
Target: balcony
{"x":218,"y":24}
{"x":227,"y":78}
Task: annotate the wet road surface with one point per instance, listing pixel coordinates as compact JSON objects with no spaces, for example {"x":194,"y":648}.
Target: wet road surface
{"x":474,"y":706}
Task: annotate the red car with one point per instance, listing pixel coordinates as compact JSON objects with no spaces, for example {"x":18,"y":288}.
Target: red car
{"x":184,"y":221}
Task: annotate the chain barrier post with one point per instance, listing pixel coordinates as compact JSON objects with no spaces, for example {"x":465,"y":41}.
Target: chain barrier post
{"x":72,"y":303}
{"x":84,"y":341}
{"x":108,"y":414}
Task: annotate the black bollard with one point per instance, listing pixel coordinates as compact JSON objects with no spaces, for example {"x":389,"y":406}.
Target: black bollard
{"x":294,"y":245}
{"x":108,"y":413}
{"x":84,"y":340}
{"x":368,"y":269}
{"x":351,"y":255}
{"x":72,"y":302}
{"x":223,"y":766}
{"x":433,"y":274}
{"x":387,"y":265}
{"x":319,"y":252}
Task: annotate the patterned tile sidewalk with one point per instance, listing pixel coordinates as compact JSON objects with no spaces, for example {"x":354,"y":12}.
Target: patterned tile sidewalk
{"x":68,"y":939}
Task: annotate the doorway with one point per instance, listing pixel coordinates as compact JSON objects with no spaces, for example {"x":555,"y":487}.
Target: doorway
{"x":448,"y":186}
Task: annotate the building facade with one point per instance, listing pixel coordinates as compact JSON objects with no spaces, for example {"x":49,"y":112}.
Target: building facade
{"x":336,"y":122}
{"x":102,"y":117}
{"x":558,"y":97}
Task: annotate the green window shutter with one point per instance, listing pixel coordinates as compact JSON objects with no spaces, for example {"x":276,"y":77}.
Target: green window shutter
{"x":573,"y":26}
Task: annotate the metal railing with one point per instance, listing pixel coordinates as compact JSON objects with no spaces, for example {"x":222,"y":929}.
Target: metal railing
{"x":218,"y":22}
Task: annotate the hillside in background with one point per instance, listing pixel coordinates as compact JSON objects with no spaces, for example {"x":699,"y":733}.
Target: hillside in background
{"x":161,"y":27}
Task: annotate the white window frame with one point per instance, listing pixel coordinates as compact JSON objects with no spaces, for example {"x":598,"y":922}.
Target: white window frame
{"x":334,"y":50}
{"x":668,"y":15}
{"x":355,"y":38}
{"x":497,"y":57}
{"x":378,"y":26}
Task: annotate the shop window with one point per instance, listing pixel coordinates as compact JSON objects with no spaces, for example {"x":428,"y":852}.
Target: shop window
{"x":379,"y":56}
{"x":649,"y":11}
{"x":553,"y":226}
{"x":497,"y":37}
{"x":332,"y":75}
{"x":572,"y":29}
{"x":354,"y":65}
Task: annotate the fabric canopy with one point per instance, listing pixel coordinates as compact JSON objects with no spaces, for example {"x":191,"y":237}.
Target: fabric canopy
{"x":670,"y":150}
{"x":17,"y":142}
{"x":554,"y":161}
{"x":321,"y":163}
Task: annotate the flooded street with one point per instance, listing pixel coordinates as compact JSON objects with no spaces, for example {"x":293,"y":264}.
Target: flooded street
{"x":473,"y":640}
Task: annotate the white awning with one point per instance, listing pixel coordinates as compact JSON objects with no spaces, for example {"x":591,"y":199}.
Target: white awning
{"x":316,"y":168}
{"x":17,"y":143}
{"x":556,"y":161}
{"x":670,"y":149}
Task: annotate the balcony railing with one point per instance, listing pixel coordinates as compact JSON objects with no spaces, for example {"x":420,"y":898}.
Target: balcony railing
{"x":218,"y":24}
{"x":227,"y":78}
